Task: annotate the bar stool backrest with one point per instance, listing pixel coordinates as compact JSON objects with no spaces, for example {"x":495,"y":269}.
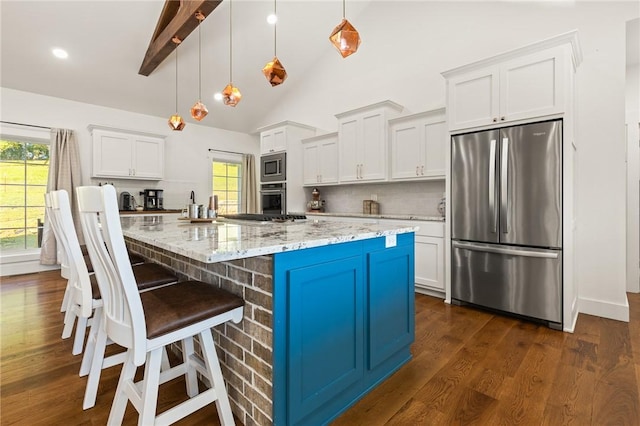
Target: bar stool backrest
{"x":65,"y":232}
{"x":125,"y":323}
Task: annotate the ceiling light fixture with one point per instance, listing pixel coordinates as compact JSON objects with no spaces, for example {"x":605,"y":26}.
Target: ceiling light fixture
{"x":344,"y":37}
{"x":175,"y":121}
{"x":274,"y":71}
{"x":199,"y":110}
{"x":59,"y":53}
{"x":230,"y":94}
{"x":272,"y":19}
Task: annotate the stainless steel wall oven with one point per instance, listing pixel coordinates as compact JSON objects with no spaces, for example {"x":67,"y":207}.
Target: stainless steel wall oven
{"x":274,"y":198}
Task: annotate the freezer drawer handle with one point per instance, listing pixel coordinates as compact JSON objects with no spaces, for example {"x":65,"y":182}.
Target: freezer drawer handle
{"x":525,"y":253}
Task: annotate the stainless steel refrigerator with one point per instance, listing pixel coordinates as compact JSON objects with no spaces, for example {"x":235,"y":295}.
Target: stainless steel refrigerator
{"x":506,"y":211}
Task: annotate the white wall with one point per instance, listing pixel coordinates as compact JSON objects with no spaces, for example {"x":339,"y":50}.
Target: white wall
{"x":633,"y":167}
{"x":407,"y":44}
{"x":187,"y":159}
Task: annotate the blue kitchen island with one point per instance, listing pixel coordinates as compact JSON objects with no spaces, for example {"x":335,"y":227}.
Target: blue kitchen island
{"x":329,"y":308}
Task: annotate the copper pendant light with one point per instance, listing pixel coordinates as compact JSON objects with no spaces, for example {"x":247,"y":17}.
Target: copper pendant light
{"x":231,"y":95}
{"x":199,"y":110}
{"x":175,"y":121}
{"x":345,"y":37}
{"x":274,"y":71}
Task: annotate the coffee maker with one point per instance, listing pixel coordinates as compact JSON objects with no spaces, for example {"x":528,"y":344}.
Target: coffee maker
{"x":316,"y":204}
{"x":153,"y":199}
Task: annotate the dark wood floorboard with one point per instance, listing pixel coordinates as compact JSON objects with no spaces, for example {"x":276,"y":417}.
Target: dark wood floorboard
{"x":468,"y":367}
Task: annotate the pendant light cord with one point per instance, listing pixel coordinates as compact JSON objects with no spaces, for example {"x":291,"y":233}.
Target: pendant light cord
{"x":176,"y":79}
{"x":230,"y":45}
{"x":275,"y":26}
{"x":199,"y":62}
{"x":343,"y":8}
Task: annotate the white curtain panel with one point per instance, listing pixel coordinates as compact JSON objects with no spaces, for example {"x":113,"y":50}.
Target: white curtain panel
{"x":249,"y":197}
{"x":64,"y":173}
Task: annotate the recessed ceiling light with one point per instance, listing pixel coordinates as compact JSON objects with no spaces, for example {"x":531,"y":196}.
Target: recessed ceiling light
{"x":272,"y":19}
{"x":217,"y":96}
{"x":59,"y":53}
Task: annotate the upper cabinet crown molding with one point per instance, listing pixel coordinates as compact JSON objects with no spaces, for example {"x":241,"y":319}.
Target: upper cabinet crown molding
{"x":390,"y":105}
{"x":570,"y":37}
{"x":92,"y":127}
{"x":283,"y":124}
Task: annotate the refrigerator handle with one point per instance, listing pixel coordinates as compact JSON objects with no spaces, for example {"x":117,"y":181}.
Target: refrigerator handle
{"x":504,"y":189}
{"x":492,"y":187}
{"x":502,"y":250}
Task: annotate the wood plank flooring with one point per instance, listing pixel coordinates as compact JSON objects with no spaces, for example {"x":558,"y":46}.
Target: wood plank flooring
{"x":468,"y":367}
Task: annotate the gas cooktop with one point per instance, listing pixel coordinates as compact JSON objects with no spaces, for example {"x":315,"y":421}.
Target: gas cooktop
{"x":265,"y":217}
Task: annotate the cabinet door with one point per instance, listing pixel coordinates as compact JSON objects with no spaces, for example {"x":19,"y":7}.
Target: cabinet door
{"x":349,"y":166}
{"x":148,"y":158}
{"x":274,"y":140}
{"x":112,"y":155}
{"x":406,"y":150}
{"x":328,"y":161}
{"x":430,"y":262}
{"x":326,"y":333}
{"x":372,"y":147}
{"x":310,"y":159}
{"x":266,"y":142}
{"x":473,"y":98}
{"x":434,"y":146}
{"x":391,"y":302}
{"x":531,"y":86}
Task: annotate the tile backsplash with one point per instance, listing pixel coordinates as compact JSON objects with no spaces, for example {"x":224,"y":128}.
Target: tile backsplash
{"x":402,"y":198}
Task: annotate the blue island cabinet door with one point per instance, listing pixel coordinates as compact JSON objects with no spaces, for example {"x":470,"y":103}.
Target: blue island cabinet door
{"x":390,"y":314}
{"x":326,"y":335}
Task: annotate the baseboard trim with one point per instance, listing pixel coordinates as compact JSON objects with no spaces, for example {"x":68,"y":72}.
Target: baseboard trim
{"x":21,"y":268}
{"x":614,"y":311}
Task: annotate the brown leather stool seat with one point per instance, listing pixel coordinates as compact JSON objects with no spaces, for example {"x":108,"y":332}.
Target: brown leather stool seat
{"x":148,"y":275}
{"x":171,"y":308}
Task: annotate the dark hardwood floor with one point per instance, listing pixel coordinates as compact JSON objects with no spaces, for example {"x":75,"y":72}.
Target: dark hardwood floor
{"x":468,"y":367}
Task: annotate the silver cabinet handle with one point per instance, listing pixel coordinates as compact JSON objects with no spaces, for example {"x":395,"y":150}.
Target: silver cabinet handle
{"x":504,"y":186}
{"x":502,"y":250}
{"x":492,"y":186}
{"x":417,"y":167}
{"x":422,"y":170}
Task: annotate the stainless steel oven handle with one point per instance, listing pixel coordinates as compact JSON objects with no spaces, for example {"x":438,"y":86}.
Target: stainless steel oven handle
{"x":499,"y":250}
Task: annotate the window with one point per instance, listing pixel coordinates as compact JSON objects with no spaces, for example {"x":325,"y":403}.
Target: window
{"x":24,"y":168}
{"x":227,"y":178}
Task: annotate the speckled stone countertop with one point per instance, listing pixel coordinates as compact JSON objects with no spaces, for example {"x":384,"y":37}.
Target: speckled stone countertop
{"x":226,"y":239}
{"x":381,"y":216}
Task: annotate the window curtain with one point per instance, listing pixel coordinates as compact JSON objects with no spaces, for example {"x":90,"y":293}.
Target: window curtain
{"x":64,"y":173}
{"x":249,"y":197}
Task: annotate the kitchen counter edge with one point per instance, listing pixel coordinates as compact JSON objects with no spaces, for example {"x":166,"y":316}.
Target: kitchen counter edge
{"x":378,"y":216}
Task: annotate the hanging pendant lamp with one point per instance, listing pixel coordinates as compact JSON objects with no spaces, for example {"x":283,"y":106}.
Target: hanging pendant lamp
{"x":274,"y":71}
{"x":344,"y":37}
{"x":199,"y":110}
{"x":230,"y":94}
{"x":175,"y":121}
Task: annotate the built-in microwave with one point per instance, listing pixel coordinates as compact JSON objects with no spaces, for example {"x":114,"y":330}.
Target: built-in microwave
{"x":273,"y":167}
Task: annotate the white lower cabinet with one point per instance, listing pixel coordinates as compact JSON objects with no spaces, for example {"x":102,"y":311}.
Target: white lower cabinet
{"x":429,"y":250}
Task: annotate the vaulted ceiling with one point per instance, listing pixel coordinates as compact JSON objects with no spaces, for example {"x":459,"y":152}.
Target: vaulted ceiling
{"x":107,"y":41}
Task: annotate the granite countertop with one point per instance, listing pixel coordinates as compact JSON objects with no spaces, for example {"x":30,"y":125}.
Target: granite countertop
{"x":154,"y":212}
{"x":225,"y":239}
{"x":381,"y":216}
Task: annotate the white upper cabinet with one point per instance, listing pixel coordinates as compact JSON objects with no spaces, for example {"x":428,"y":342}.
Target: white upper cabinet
{"x":363,"y":142}
{"x":126,"y":154}
{"x":526,"y":83}
{"x":280,"y":137}
{"x":320,"y":160}
{"x":418,"y":144}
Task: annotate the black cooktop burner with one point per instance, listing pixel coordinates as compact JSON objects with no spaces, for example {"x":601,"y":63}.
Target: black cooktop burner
{"x":264,"y":217}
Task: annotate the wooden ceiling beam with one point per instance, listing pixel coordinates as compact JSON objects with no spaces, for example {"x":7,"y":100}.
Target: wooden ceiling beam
{"x":176,"y":19}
